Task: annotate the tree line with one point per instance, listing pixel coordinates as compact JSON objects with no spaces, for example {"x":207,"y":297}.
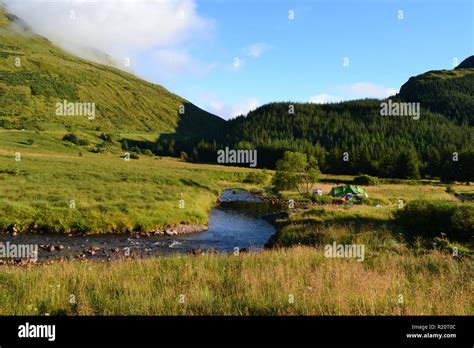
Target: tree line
{"x":345,"y":138}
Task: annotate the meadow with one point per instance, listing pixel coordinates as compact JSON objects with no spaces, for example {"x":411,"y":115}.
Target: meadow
{"x":296,"y":281}
{"x":59,"y":187}
{"x":398,"y":276}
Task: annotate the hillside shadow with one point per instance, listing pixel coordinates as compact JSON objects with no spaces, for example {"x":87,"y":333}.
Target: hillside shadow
{"x":356,"y":222}
{"x":194,"y":125}
{"x":193,"y":183}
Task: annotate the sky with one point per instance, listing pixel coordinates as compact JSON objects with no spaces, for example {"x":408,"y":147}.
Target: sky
{"x":231,"y":56}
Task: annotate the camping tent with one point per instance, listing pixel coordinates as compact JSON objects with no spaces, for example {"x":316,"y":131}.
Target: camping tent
{"x":340,"y":191}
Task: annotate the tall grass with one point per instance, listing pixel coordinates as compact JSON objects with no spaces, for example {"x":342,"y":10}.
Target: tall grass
{"x":108,"y":194}
{"x":249,"y":284}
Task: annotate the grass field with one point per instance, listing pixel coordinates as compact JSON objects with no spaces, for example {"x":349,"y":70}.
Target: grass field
{"x":114,"y":195}
{"x":60,"y":187}
{"x":108,"y":193}
{"x":297,"y":281}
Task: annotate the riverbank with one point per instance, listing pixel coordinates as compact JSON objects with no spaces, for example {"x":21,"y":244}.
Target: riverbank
{"x":58,"y":248}
{"x":230,"y":230}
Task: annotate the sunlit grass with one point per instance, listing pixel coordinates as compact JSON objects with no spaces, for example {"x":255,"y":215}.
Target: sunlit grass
{"x":252,"y":284}
{"x":62,"y":191}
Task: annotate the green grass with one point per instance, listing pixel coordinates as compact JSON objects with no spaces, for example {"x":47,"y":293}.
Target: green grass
{"x":110,"y":194}
{"x":47,"y":75}
{"x":448,"y":74}
{"x":254,"y":284}
{"x":318,"y":225}
{"x":113,"y":195}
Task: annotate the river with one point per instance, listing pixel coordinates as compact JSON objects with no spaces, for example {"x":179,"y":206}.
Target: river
{"x":234,"y":226}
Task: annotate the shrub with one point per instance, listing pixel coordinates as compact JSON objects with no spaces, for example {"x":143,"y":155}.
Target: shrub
{"x":124,"y":145}
{"x":30,"y":141}
{"x":97,"y":149}
{"x":106,"y":137}
{"x":73,"y":138}
{"x":134,"y":156}
{"x":184,"y":156}
{"x":462,"y":220}
{"x":449,"y":189}
{"x":322,"y":199}
{"x":136,"y":149}
{"x":374,"y":201}
{"x":258,"y":178}
{"x":147,"y":152}
{"x":431,"y":218}
{"x":366,"y":180}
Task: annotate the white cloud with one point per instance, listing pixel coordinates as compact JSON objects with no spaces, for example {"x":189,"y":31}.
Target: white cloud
{"x":119,"y":28}
{"x":324,"y":98}
{"x":256,"y":50}
{"x":253,"y":51}
{"x":227,"y":110}
{"x":369,"y":90}
{"x":245,"y":106}
{"x":171,"y":61}
{"x":358,"y":90}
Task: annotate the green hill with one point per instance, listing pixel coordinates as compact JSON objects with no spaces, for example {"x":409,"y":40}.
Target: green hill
{"x":466,"y":63}
{"x":448,"y":92}
{"x":374,"y":144}
{"x":35,"y":75}
{"x":127,"y":105}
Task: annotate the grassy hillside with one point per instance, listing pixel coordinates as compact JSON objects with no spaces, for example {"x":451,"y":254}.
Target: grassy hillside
{"x":35,"y":75}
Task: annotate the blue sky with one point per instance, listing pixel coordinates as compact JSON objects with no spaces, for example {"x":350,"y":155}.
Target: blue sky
{"x":302,"y":59}
{"x":189,"y":46}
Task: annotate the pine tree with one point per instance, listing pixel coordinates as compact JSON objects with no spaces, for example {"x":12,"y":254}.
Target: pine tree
{"x":407,"y":166}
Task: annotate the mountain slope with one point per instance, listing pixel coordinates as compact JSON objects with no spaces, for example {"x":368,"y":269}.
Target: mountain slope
{"x":448,"y":92}
{"x":35,"y":75}
{"x":371,"y":143}
{"x":466,"y":63}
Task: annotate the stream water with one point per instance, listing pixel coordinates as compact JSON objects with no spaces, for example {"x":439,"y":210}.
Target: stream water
{"x":230,"y":227}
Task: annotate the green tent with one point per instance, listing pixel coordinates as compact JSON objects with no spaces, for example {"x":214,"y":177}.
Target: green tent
{"x":340,"y":191}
